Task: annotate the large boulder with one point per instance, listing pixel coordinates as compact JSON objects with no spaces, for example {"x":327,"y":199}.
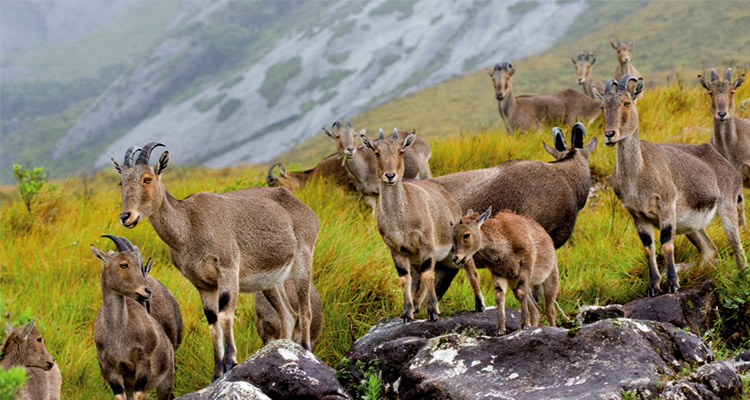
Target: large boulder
{"x":715,"y":381}
{"x":282,"y":370}
{"x":690,"y":308}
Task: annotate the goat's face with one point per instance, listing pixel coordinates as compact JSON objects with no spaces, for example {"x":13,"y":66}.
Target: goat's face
{"x":466,"y":235}
{"x":623,"y":51}
{"x":584,"y":66}
{"x":26,"y":346}
{"x":389,"y":156}
{"x":142,"y":189}
{"x":577,"y":135}
{"x":722,"y":94}
{"x":124,"y":273}
{"x":620,"y":114}
{"x":501,"y":75}
{"x":346,"y":138}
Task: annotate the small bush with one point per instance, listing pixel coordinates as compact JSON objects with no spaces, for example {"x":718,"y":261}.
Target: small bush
{"x":31,"y":182}
{"x":11,"y":381}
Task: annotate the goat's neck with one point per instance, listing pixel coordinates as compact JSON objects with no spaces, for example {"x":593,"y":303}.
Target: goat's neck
{"x":587,"y":88}
{"x":629,"y":163}
{"x":392,"y":200}
{"x":171,"y":222}
{"x":725,"y":133}
{"x":115,"y":312}
{"x":10,"y":359}
{"x":357,"y":167}
{"x":507,"y":106}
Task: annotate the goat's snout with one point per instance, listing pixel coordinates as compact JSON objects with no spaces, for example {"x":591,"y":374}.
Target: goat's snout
{"x":580,"y":80}
{"x":609,"y":137}
{"x":350,"y":151}
{"x":124,"y":216}
{"x":722,"y":115}
{"x":390,"y":176}
{"x":148,"y":291}
{"x":50,"y":364}
{"x":627,"y":59}
{"x":499,"y":95}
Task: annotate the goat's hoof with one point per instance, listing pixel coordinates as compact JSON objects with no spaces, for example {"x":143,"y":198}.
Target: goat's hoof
{"x":523,"y":327}
{"x":653,"y":290}
{"x":433,"y":316}
{"x":228,"y":366}
{"x":672,"y":286}
{"x":407,"y":319}
{"x":215,"y":377}
{"x":479,"y":306}
{"x":500,"y":332}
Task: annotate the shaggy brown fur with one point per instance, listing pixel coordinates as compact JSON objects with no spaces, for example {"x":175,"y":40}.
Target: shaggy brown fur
{"x":328,"y":168}
{"x":24,"y":347}
{"x":268,"y":322}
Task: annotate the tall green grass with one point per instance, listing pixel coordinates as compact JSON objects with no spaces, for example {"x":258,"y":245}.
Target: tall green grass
{"x":46,"y":264}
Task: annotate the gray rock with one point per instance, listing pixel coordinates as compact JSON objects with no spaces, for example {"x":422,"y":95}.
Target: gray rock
{"x":590,"y":314}
{"x":742,"y":362}
{"x":280,"y":370}
{"x":692,"y":308}
{"x":713,"y":381}
{"x":228,"y":391}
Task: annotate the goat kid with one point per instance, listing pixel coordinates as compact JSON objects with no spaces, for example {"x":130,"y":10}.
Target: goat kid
{"x":24,"y":347}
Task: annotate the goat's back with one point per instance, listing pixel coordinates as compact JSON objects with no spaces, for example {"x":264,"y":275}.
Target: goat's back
{"x":332,"y":169}
{"x":523,"y":232}
{"x":166,"y":311}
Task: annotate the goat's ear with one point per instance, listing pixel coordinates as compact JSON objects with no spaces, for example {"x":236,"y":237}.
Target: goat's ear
{"x":740,"y":80}
{"x":638,"y":88}
{"x":632,"y":43}
{"x":702,"y":80}
{"x":597,"y":94}
{"x":99,"y":254}
{"x":484,"y":216}
{"x":366,"y":141}
{"x":117,"y":165}
{"x":328,"y":133}
{"x":591,"y":145}
{"x":489,"y":72}
{"x":26,"y":331}
{"x":511,"y":70}
{"x":551,"y":150}
{"x":593,"y":58}
{"x":362,"y":133}
{"x":469,"y":212}
{"x":574,"y":61}
{"x":8,"y":328}
{"x":409,"y":141}
{"x":611,"y":43}
{"x":163,"y":162}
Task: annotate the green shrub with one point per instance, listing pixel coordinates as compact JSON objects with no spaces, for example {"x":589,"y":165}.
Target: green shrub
{"x":10,"y":381}
{"x":31,"y":182}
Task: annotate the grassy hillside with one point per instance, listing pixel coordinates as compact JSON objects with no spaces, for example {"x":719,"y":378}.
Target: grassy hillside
{"x":46,"y":266}
{"x":673,"y":39}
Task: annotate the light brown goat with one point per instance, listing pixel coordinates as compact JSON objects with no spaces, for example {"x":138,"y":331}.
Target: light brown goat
{"x":134,"y":353}
{"x":24,"y":347}
{"x":731,"y":135}
{"x":247,"y":241}
{"x":328,"y":168}
{"x":516,"y":250}
{"x":527,"y":112}
{"x":584,"y":65}
{"x":268,"y":323}
{"x":414,"y":221}
{"x":624,"y":67}
{"x":675,"y":187}
{"x":361,"y":164}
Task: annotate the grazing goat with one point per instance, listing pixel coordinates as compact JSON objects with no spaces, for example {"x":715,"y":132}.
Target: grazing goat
{"x":135,"y":354}
{"x":624,"y":67}
{"x":24,"y":347}
{"x":675,"y":187}
{"x":247,"y":241}
{"x":268,"y":322}
{"x":329,"y":168}
{"x":516,"y":250}
{"x":551,"y":193}
{"x":414,"y":221}
{"x":731,"y":135}
{"x":526,"y":112}
{"x":361,"y":164}
{"x":584,"y":65}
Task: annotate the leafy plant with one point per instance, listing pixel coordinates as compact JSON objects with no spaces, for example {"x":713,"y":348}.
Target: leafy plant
{"x":10,"y":381}
{"x":31,"y":182}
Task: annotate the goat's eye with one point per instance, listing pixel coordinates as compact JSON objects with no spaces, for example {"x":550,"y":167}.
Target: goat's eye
{"x":39,"y":339}
{"x":467,"y":235}
{"x":401,"y":152}
{"x":377,"y":154}
{"x":627,"y":104}
{"x":147,"y":180}
{"x":119,"y":183}
{"x":710,"y":93}
{"x":124,"y":266}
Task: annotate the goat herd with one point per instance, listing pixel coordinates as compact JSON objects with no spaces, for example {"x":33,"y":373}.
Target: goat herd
{"x":261,"y":240}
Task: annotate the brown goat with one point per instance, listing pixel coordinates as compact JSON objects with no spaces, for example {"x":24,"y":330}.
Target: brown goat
{"x":246,"y":241}
{"x":24,"y":347}
{"x":516,"y":250}
{"x":624,"y":67}
{"x":414,"y":221}
{"x":527,"y":112}
{"x":731,"y":135}
{"x":584,"y":65}
{"x":268,"y":322}
{"x":328,"y":168}
{"x":677,"y":188}
{"x":551,"y":193}
{"x":134,"y":353}
{"x":361,"y":164}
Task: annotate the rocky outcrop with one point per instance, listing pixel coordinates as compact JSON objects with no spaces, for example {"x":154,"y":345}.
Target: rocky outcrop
{"x":282,"y":370}
{"x":590,"y":314}
{"x":691,"y":308}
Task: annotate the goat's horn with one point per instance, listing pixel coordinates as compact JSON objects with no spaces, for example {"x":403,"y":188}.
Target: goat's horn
{"x":624,"y":80}
{"x":608,"y":85}
{"x":395,"y":132}
{"x":497,"y":67}
{"x":714,"y":75}
{"x":382,"y":135}
{"x":145,"y":155}
{"x":349,"y":123}
{"x":270,"y":178}
{"x":335,"y":124}
{"x":506,"y":65}
{"x":121,"y":243}
{"x":559,"y":139}
{"x":129,"y":155}
{"x":577,"y":135}
{"x":728,"y":75}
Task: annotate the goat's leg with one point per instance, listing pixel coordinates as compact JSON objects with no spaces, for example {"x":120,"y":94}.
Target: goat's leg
{"x":728,"y":214}
{"x":417,"y":290}
{"x":741,"y":209}
{"x":533,"y":309}
{"x":646,"y":233}
{"x":142,"y":373}
{"x":473,"y":275}
{"x":704,"y":244}
{"x":550,"y":286}
{"x":116,"y":383}
{"x":666,"y":238}
{"x":303,"y":277}
{"x":403,"y":268}
{"x":443,"y":278}
{"x":210,"y":300}
{"x":521,"y":290}
{"x":164,"y":388}
{"x":280,"y":302}
{"x":229,"y":288}
{"x":427,"y":276}
{"x":501,"y":286}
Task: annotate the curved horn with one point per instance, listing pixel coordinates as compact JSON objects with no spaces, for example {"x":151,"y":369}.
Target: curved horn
{"x":395,"y":133}
{"x":146,"y":153}
{"x":129,"y":155}
{"x":270,"y":178}
{"x":559,"y":139}
{"x":609,"y":84}
{"x":506,"y":66}
{"x":622,"y":84}
{"x":336,"y":124}
{"x":349,"y":123}
{"x":728,"y":75}
{"x":121,"y":243}
{"x":577,"y":135}
{"x":497,"y":67}
{"x":714,"y":75}
{"x":382,"y":135}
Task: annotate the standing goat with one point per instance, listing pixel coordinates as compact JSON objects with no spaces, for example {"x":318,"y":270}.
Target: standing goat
{"x":361,"y":164}
{"x":551,"y":193}
{"x":516,"y":250}
{"x":329,"y":168}
{"x":584,"y":65}
{"x":731,"y":135}
{"x":526,"y":112}
{"x":24,"y":347}
{"x":268,"y":323}
{"x":248,"y":241}
{"x":675,"y":187}
{"x":135,"y":354}
{"x":624,"y":67}
{"x":414,"y":221}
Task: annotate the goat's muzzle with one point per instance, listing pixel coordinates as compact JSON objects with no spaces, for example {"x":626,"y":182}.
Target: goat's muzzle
{"x":50,"y":364}
{"x":390,"y":178}
{"x":349,"y":152}
{"x":609,"y":138}
{"x":499,"y":96}
{"x":145,"y":295}
{"x":722,"y":115}
{"x":125,"y":216}
{"x":581,"y":80}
